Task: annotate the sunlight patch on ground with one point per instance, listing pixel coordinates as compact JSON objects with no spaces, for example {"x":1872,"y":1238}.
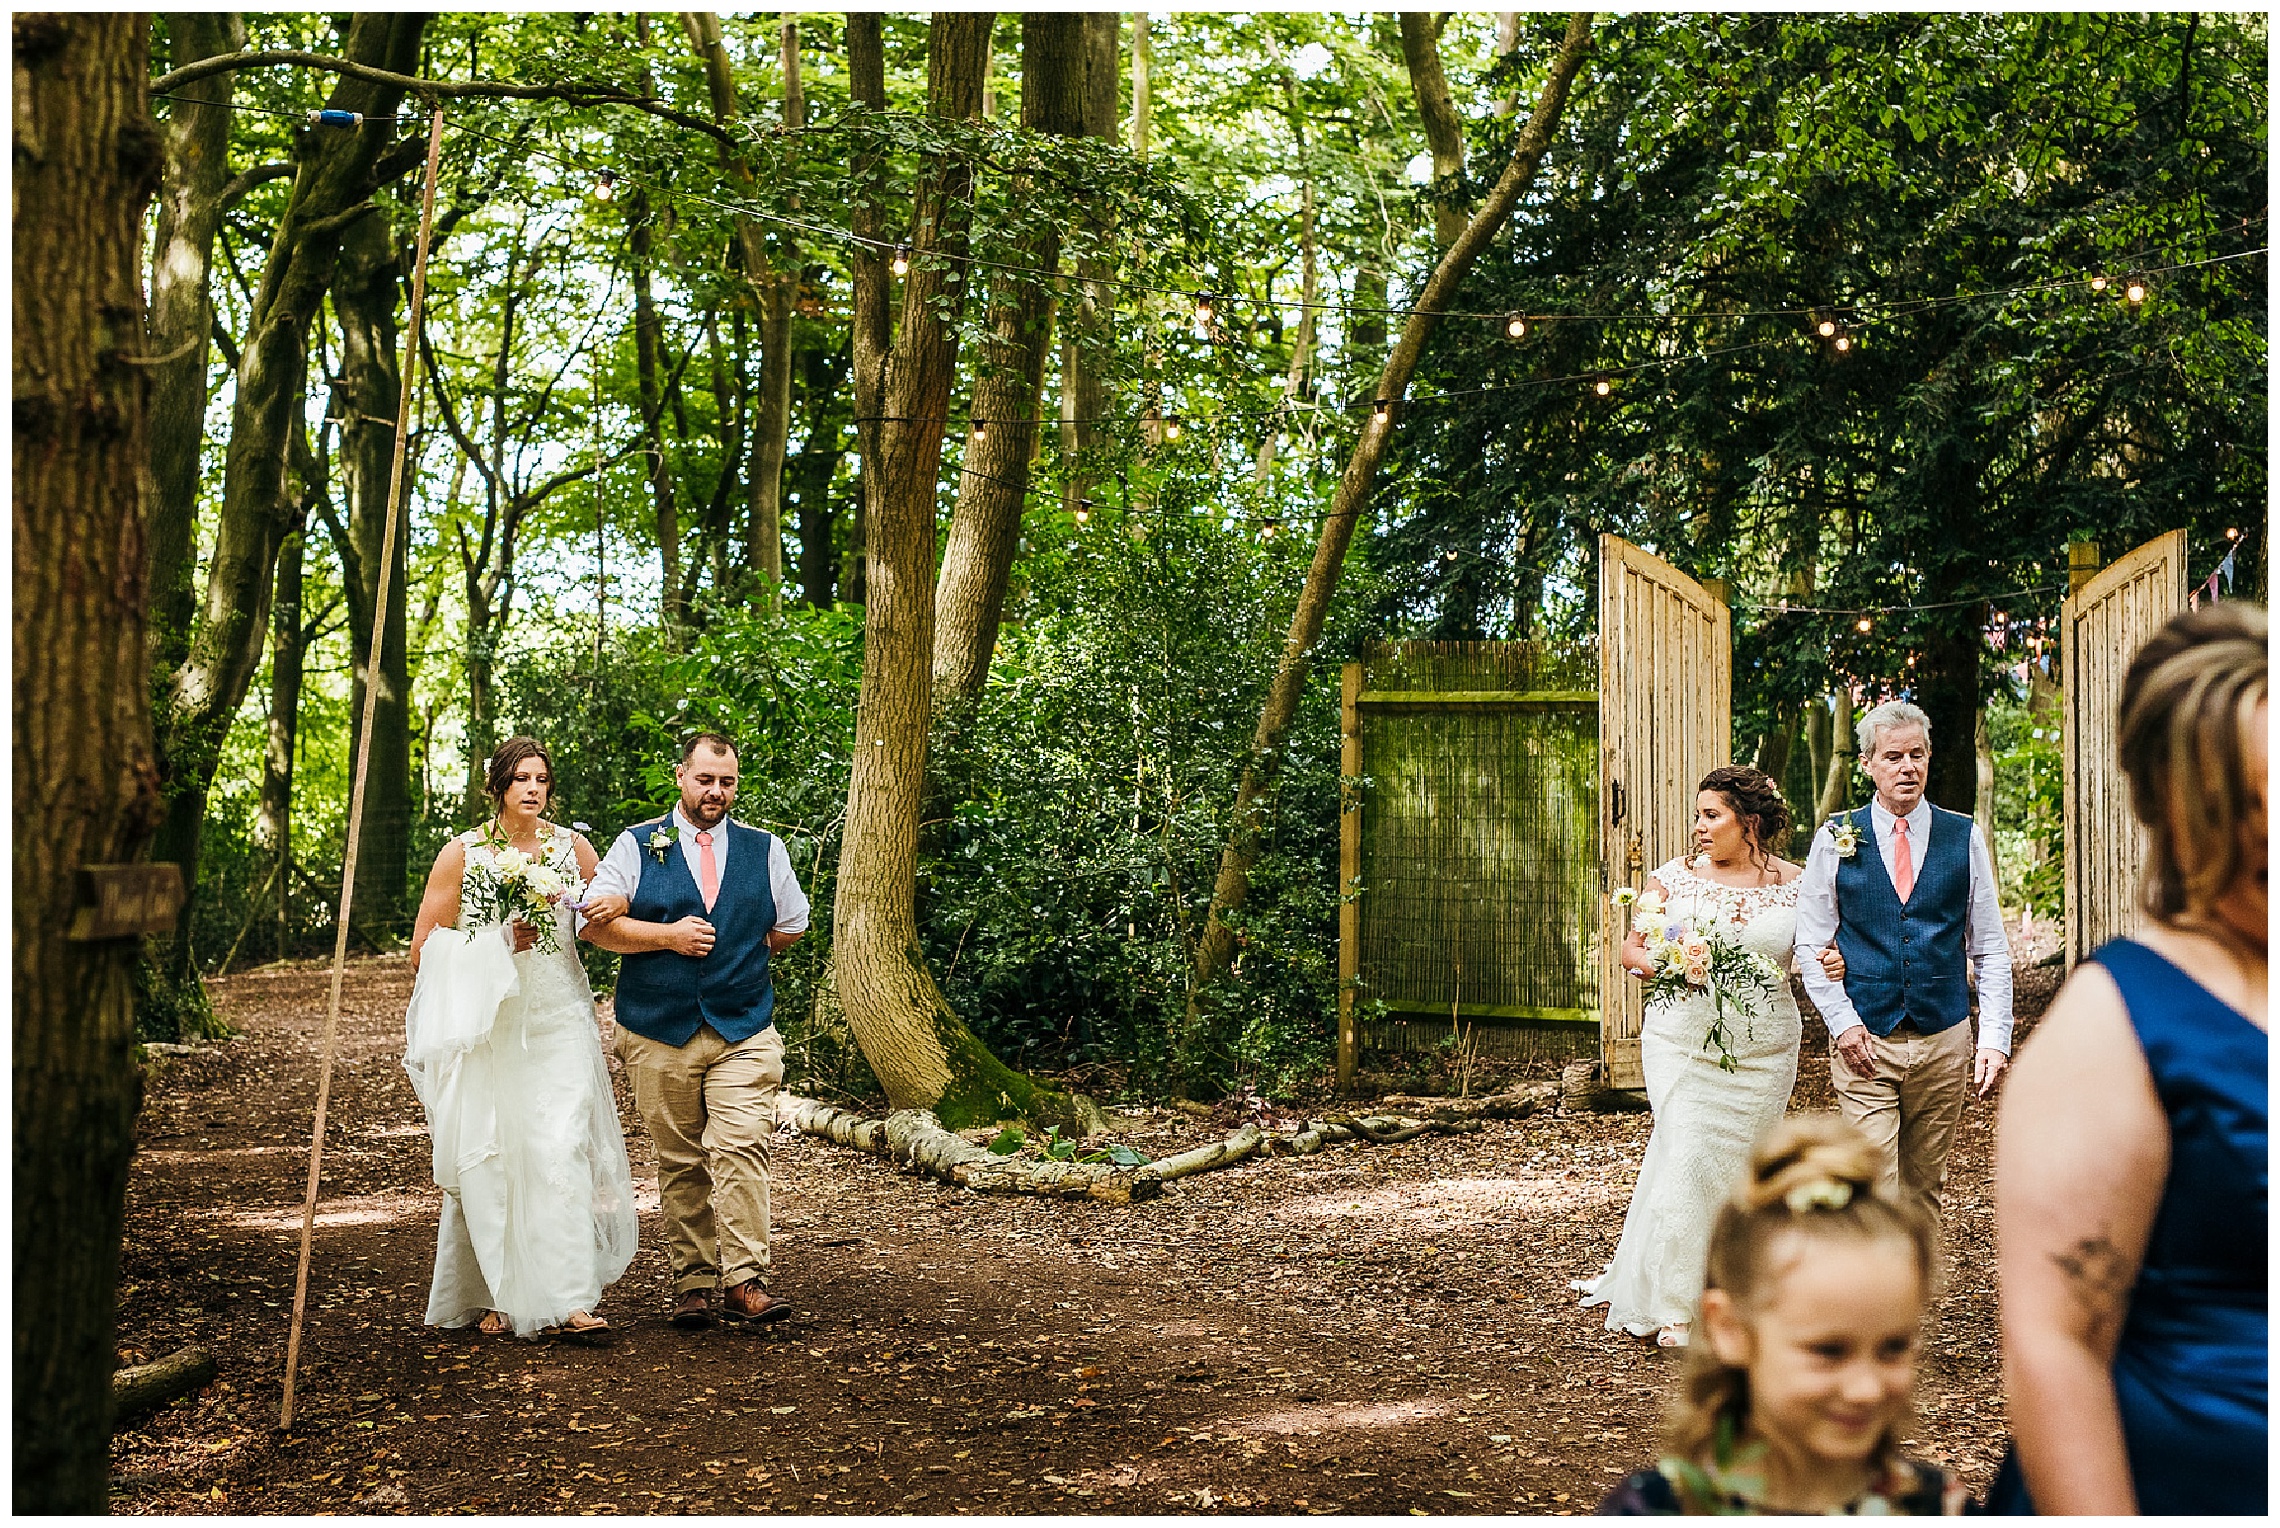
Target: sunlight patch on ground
{"x":174,"y":1157}
{"x":370,"y":1210}
{"x":1344,"y":1416}
{"x":1454,"y":1203}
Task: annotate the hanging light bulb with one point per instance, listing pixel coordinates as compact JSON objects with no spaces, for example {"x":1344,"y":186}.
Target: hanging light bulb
{"x":1826,"y":328}
{"x":1863,"y":624}
{"x":1843,"y":343}
{"x":2232,"y":533}
{"x":605,"y":188}
{"x":2135,"y":293}
{"x":981,"y":429}
{"x":1379,"y":409}
{"x":1515,"y":326}
{"x":1172,"y":428}
{"x":1084,"y":511}
{"x":1204,"y":307}
{"x":900,"y":265}
{"x":1603,"y":385}
{"x":1267,"y":531}
{"x":2098,"y":283}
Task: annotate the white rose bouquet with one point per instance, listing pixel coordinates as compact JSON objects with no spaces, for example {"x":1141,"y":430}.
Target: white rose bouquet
{"x":515,"y":886}
{"x":1693,"y":957}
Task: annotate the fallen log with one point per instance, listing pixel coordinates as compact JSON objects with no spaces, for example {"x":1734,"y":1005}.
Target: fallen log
{"x":146,"y":1387}
{"x":915,"y":1139}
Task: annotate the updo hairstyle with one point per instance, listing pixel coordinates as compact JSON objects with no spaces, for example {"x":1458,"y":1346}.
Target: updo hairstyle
{"x":1756,"y":799}
{"x":2182,"y":734}
{"x":499,"y":773}
{"x":1814,"y":1177}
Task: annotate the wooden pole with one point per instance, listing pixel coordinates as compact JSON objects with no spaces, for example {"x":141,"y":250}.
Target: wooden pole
{"x":1349,"y":869}
{"x":363,"y":758}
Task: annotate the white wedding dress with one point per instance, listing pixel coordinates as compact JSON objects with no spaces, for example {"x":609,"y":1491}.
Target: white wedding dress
{"x":503,"y":1050}
{"x":1707,"y":1120}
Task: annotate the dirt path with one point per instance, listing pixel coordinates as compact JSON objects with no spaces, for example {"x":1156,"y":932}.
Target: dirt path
{"x":1369,"y":1330}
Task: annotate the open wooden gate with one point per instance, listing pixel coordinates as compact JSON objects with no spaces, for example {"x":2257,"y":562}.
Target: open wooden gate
{"x":2101,"y":627}
{"x":1665,"y":721}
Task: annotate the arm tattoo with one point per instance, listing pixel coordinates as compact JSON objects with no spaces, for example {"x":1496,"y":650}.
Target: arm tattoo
{"x":2099,"y":1276}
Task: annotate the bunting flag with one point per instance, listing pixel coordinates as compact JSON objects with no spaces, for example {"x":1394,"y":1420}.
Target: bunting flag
{"x":2226,"y":568}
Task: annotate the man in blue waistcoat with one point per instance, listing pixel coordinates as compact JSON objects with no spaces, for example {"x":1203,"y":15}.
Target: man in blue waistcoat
{"x":697,"y":904}
{"x":1907,"y":890}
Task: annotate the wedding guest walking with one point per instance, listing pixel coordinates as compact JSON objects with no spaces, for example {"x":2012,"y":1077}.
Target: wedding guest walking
{"x":1712,"y":1101}
{"x":1802,"y":1381}
{"x":697,"y":904}
{"x":1906,"y":890}
{"x":2130,"y":1164}
{"x":504,"y":1053}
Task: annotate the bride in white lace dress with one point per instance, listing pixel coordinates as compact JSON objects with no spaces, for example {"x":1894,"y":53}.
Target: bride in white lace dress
{"x":1707,"y":1119}
{"x":504,"y":1051}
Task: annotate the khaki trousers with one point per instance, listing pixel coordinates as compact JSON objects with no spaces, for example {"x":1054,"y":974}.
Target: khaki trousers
{"x":710,"y":1108}
{"x":1910,"y":1107}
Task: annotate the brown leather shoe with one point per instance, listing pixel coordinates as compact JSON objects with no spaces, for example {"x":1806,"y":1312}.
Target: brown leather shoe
{"x":692,"y":1312}
{"x":748,"y":1301}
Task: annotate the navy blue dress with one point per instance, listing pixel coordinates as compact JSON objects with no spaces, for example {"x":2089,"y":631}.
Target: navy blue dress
{"x":2190,"y":1370}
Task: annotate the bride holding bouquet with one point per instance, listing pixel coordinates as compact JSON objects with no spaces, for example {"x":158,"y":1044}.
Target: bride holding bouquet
{"x":1711,"y":937}
{"x":503,"y":1050}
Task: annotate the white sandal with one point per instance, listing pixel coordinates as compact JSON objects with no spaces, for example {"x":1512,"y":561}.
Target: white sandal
{"x":1589,"y":1289}
{"x":1673,"y":1335}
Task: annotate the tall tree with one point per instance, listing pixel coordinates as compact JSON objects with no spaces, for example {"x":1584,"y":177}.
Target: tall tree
{"x":775,"y":292}
{"x":1264,"y":763}
{"x":1084,"y":391}
{"x":1444,"y":127}
{"x":335,"y":171}
{"x":87,"y":157}
{"x":919,"y":1049}
{"x":985,"y":528}
{"x":192,"y":199}
{"x":823,"y":384}
{"x":366,"y":280}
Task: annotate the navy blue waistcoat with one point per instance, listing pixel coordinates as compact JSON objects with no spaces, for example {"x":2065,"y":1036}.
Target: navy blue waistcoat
{"x":1907,"y":961}
{"x":663,"y":995}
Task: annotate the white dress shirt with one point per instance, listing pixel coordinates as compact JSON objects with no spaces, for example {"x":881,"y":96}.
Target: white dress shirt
{"x":1985,"y":946}
{"x":620,"y":871}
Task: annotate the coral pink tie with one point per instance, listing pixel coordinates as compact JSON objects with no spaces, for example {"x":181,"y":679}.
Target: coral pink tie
{"x":708,"y":871}
{"x":1903,"y":863}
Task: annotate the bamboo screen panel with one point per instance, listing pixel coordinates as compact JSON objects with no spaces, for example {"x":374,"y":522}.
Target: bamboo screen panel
{"x":2102,"y":626}
{"x":1478,"y":844}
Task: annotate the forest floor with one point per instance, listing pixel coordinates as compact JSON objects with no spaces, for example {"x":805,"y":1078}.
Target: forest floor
{"x":1372,"y":1329}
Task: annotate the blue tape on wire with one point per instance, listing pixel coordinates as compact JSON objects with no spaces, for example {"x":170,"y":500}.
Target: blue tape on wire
{"x":330,"y":118}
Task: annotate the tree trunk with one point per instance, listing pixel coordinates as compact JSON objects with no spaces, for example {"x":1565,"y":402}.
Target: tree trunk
{"x":1818,"y":731}
{"x":87,"y":157}
{"x":335,"y":170}
{"x":182,"y":319}
{"x":1844,"y":748}
{"x":1302,"y":341}
{"x":1084,"y":393}
{"x":872,"y":324}
{"x":986,"y":526}
{"x":288,"y":653}
{"x":365,"y":288}
{"x":823,"y":374}
{"x":1444,"y":128}
{"x":1261,"y":769}
{"x":648,"y":348}
{"x":775,"y":292}
{"x":1947,"y":687}
{"x":920,"y":1051}
{"x":1143,"y":106}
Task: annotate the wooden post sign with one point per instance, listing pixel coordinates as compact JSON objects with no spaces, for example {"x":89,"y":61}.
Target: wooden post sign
{"x":122,"y":901}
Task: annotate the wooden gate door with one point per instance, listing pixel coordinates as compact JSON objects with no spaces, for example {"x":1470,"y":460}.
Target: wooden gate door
{"x":2101,"y":627}
{"x":1665,"y":721}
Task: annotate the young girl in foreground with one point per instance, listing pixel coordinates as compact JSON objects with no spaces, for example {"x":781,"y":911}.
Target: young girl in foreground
{"x":1802,"y":1374}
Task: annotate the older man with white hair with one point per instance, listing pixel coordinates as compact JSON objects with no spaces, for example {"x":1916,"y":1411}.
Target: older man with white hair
{"x":1907,"y":891}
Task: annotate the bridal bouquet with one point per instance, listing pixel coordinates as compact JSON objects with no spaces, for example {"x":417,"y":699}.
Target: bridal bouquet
{"x":1698,"y":956}
{"x":513,"y":885}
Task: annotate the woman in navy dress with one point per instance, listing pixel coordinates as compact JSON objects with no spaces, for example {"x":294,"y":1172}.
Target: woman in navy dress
{"x":2130,"y":1167}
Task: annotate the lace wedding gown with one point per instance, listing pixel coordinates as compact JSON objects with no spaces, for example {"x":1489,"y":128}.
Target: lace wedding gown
{"x":502,"y":1049}
{"x":1707,"y":1120}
